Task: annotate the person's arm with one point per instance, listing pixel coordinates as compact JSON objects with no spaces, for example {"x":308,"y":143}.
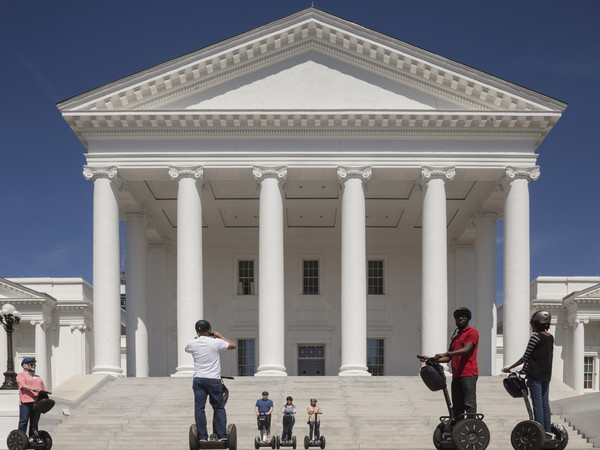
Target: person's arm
{"x":533,"y":342}
{"x":230,"y":345}
{"x":270,"y":411}
{"x":294,"y":410}
{"x":256,"y":409}
{"x":283,"y":410}
{"x":518,"y":363}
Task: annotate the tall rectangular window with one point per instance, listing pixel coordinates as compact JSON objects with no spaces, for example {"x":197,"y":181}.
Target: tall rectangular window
{"x":245,"y":278}
{"x":246,"y":357}
{"x":310,"y":277}
{"x":588,"y":372}
{"x":375,"y":357}
{"x":375,"y":277}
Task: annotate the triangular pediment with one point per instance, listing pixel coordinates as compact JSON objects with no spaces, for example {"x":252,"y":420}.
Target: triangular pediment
{"x":311,"y":81}
{"x":10,"y":291}
{"x":310,"y":69}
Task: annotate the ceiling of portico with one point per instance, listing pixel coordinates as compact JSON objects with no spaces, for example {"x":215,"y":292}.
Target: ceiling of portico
{"x":312,"y":200}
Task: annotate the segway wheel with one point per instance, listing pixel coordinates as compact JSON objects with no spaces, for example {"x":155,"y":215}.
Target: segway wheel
{"x":306,"y":442}
{"x":193,"y":437}
{"x":45,"y":436}
{"x":322,"y":441}
{"x":294,"y":442}
{"x":256,"y":443}
{"x":231,"y":437}
{"x":561,"y":434}
{"x":471,"y":434}
{"x":528,"y":435}
{"x":437,"y":436}
{"x":274,"y":443}
{"x":17,"y":440}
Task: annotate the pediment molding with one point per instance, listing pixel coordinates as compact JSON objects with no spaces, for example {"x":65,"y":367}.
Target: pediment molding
{"x":313,"y":29}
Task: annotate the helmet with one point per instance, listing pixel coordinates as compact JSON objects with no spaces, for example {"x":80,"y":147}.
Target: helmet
{"x":462,"y":310}
{"x":202,"y":326}
{"x":541,"y":317}
{"x":28,"y":361}
{"x":312,"y":398}
{"x":289,"y":397}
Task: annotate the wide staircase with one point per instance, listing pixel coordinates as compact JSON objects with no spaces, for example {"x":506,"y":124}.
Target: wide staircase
{"x":358,"y":413}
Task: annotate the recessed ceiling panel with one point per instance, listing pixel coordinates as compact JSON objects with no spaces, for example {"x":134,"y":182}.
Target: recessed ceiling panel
{"x":228,"y":189}
{"x":311,"y":217}
{"x":239,"y":217}
{"x":383,"y":217}
{"x":458,"y":190}
{"x":394,"y":189}
{"x":312,"y":189}
{"x":162,"y":189}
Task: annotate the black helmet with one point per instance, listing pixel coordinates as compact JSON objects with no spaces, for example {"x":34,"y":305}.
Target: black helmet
{"x":541,"y":318}
{"x":202,"y":326}
{"x":289,"y":398}
{"x":463,"y":311}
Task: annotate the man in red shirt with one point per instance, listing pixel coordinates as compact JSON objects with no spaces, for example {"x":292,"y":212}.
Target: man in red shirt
{"x":463,"y":356}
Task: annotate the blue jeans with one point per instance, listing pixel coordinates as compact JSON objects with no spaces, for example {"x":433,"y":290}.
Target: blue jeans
{"x":213,"y":389}
{"x":287,"y":431}
{"x":26,"y":414}
{"x":539,"y":391}
{"x":315,"y":426}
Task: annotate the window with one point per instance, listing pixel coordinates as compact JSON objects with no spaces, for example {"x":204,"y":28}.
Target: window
{"x":246,"y":357}
{"x":310,"y":277}
{"x":588,"y":372}
{"x":245,"y":278}
{"x":375,"y":277}
{"x":375,"y":357}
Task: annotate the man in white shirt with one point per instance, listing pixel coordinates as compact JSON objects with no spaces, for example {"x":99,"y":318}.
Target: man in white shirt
{"x":206,"y":349}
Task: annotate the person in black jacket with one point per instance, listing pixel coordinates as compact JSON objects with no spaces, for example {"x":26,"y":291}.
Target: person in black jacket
{"x":538,"y":367}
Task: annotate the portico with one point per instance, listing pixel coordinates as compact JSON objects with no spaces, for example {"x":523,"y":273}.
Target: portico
{"x":310,"y":185}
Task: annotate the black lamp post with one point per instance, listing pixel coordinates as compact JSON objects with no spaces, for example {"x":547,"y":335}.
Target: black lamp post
{"x":9,"y":317}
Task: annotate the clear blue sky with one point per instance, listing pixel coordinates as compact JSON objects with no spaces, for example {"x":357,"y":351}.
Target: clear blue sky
{"x":53,"y":50}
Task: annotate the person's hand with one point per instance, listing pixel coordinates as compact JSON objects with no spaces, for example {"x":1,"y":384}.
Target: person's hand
{"x":506,"y":369}
{"x":424,"y":358}
{"x":217,"y":334}
{"x":439,"y":356}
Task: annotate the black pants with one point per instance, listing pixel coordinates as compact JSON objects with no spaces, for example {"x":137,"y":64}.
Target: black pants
{"x":464,"y":395}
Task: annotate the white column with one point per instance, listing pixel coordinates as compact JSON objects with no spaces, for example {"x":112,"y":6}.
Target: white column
{"x":515,"y":317}
{"x":578,"y":354}
{"x":190,"y":300}
{"x":485,"y":289}
{"x":354,"y":271}
{"x":107,"y":294}
{"x":137,"y":295}
{"x":41,"y":352}
{"x":464,"y":271}
{"x":79,"y":361}
{"x":434,"y":272}
{"x":271,"y":292}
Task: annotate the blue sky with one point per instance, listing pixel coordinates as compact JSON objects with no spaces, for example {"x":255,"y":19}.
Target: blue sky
{"x":55,"y":50}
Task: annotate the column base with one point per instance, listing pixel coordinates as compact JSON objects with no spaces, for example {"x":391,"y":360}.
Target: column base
{"x":354,"y":371}
{"x":271,"y":371}
{"x":183,"y":372}
{"x":108,"y":370}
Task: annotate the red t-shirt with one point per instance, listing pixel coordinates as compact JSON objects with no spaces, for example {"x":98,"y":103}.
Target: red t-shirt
{"x":465,"y":365}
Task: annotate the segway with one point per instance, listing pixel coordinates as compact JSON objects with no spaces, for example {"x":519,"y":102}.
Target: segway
{"x":529,"y":434}
{"x":466,"y":432}
{"x":287,"y":421}
{"x":18,"y":440}
{"x":213,"y":440}
{"x":315,"y":442}
{"x":262,"y":441}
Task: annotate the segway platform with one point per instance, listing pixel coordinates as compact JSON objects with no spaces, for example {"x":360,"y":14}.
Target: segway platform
{"x":261,"y":441}
{"x":18,"y":440}
{"x":315,"y":443}
{"x":291,"y":443}
{"x":213,"y":441}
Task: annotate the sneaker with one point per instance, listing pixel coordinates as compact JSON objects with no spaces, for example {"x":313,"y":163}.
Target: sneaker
{"x":203,"y":440}
{"x":550,"y":436}
{"x":223,"y":439}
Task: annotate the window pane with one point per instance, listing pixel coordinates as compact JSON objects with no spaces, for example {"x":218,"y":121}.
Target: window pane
{"x":375,"y":361}
{"x":375,"y":277}
{"x":310,"y":281}
{"x":588,"y":372}
{"x":246,"y":359}
{"x":245,"y":277}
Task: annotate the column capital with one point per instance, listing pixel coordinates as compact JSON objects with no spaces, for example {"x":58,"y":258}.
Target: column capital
{"x":79,"y":326}
{"x":527,"y":173}
{"x":40,"y":322}
{"x":482,"y":215}
{"x":137,"y":215}
{"x":578,"y":321}
{"x":196,"y":172}
{"x":346,"y":173}
{"x":432,"y":173}
{"x":93,"y":173}
{"x":462,"y":246}
{"x":262,"y":173}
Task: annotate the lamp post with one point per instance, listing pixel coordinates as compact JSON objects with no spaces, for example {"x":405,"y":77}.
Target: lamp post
{"x":9,"y":317}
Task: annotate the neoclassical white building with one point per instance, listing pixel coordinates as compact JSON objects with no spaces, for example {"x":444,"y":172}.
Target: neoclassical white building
{"x":324,"y":194}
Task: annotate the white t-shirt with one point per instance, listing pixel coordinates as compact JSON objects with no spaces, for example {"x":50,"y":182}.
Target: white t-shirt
{"x":206,"y":352}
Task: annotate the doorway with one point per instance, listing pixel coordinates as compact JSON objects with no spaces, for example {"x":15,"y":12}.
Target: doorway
{"x":311,"y":360}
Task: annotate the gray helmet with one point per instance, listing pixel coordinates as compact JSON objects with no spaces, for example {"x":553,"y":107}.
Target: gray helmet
{"x":463,"y":311}
{"x":541,"y":317}
{"x":202,"y":326}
